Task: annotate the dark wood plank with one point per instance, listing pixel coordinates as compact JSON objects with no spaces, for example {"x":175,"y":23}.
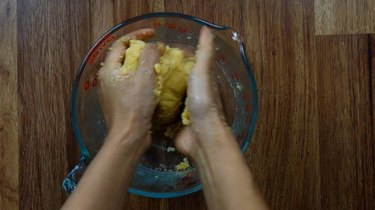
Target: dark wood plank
{"x":212,"y":11}
{"x":101,"y":18}
{"x":344,"y":17}
{"x":79,"y":44}
{"x":50,"y":44}
{"x":8,"y":107}
{"x":372,"y":73}
{"x":345,"y":122}
{"x":284,"y":151}
{"x":372,"y":67}
{"x":104,"y":14}
{"x":314,"y":142}
{"x":126,"y":9}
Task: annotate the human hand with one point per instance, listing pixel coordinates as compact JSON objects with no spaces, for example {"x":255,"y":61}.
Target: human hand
{"x":205,"y":109}
{"x":128,"y":100}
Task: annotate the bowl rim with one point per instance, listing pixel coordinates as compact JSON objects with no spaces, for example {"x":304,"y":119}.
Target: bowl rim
{"x":73,"y":114}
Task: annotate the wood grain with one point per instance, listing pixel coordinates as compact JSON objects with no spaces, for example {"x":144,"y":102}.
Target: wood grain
{"x":345,"y":122}
{"x":372,"y":79}
{"x":45,"y":79}
{"x":314,"y":143}
{"x":344,"y":17}
{"x":284,"y":152}
{"x":9,"y":169}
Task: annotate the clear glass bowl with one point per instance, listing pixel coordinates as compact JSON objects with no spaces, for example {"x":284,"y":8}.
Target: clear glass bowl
{"x":155,"y":175}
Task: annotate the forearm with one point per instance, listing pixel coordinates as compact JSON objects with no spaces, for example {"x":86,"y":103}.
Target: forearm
{"x":104,"y":184}
{"x":226,"y":179}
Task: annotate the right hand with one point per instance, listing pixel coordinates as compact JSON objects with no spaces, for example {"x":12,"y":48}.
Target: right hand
{"x":207,"y":121}
{"x":226,"y":179}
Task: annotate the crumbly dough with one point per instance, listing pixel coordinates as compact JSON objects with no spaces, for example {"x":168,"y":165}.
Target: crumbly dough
{"x":132,"y":54}
{"x":172,"y":76}
{"x":183,"y":165}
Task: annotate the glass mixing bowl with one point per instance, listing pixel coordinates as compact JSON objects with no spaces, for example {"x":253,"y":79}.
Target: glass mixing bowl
{"x":156,"y":176}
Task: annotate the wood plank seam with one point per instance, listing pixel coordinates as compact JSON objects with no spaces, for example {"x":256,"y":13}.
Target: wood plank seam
{"x":371,"y":61}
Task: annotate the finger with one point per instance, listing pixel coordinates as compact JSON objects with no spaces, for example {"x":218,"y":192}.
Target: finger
{"x":184,"y":141}
{"x":205,"y":50}
{"x":200,"y":84}
{"x":141,"y":34}
{"x":149,"y":57}
{"x":204,"y":55}
{"x":116,"y":55}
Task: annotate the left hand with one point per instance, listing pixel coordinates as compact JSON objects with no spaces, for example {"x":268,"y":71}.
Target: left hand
{"x":128,"y":100}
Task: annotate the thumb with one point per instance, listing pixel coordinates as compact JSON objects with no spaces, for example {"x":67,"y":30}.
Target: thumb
{"x":185,"y":140}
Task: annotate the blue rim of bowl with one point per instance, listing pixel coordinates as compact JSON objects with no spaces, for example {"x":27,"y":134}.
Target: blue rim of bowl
{"x":85,"y":153}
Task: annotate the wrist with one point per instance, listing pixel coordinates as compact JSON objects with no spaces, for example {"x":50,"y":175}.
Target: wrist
{"x":130,"y":136}
{"x":217,"y":153}
{"x":215,"y":147}
{"x":129,"y":125}
{"x":128,"y":144}
{"x":212,"y":130}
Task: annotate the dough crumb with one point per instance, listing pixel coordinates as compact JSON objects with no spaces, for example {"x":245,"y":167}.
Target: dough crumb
{"x":171,"y":149}
{"x":183,"y":165}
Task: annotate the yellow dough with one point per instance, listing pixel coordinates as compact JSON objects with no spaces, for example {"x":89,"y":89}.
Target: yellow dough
{"x":172,"y":76}
{"x":132,"y":54}
{"x":185,"y":116}
{"x":183,"y":165}
{"x":173,"y":73}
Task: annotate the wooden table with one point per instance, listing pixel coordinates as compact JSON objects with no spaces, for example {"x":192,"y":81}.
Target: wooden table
{"x":314,"y":62}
